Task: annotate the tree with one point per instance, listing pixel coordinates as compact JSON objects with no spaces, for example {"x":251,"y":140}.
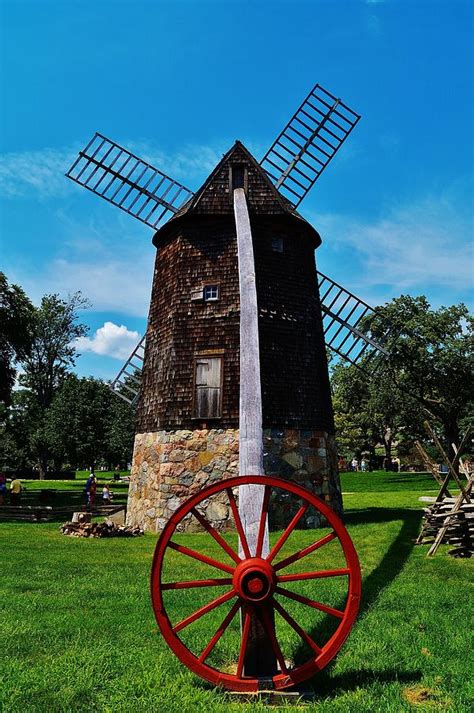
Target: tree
{"x":428,"y":373}
{"x":87,"y":425}
{"x":19,"y":432}
{"x":76,"y":421}
{"x":16,"y":312}
{"x":370,"y":410}
{"x":120,"y":433}
{"x":52,"y":354}
{"x":432,"y":359}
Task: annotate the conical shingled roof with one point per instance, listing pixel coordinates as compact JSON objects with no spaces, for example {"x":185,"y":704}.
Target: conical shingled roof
{"x":214,"y":197}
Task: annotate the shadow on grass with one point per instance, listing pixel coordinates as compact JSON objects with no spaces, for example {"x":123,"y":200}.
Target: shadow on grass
{"x":397,"y":554}
{"x":373,"y":585}
{"x":326,"y":685}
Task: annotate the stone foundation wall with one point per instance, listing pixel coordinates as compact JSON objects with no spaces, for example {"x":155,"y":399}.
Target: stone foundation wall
{"x":169,"y":466}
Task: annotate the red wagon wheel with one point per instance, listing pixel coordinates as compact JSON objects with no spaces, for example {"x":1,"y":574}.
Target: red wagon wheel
{"x":252,"y":582}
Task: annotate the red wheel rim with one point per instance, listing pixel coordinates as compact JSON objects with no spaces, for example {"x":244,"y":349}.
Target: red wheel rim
{"x":252,"y":581}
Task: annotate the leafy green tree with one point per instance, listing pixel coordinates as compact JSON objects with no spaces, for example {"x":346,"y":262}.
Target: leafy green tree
{"x":16,"y":313}
{"x":120,"y":433}
{"x":87,"y":425}
{"x":53,"y":352}
{"x":428,"y":373}
{"x":432,"y":359}
{"x":76,"y":421}
{"x":19,"y":432}
{"x":55,"y":327}
{"x":370,"y":411}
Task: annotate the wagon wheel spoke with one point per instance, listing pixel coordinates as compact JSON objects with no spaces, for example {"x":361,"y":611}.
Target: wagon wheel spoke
{"x":294,"y":625}
{"x":203,"y":610}
{"x":306,"y":551}
{"x":218,"y":538}
{"x":238,"y":522}
{"x":263,"y":520}
{"x":243,"y":643}
{"x":270,"y":629}
{"x":319,"y":574}
{"x":310,"y":602}
{"x":202,"y":558}
{"x":286,"y":533}
{"x":190,"y":584}
{"x":225,"y":623}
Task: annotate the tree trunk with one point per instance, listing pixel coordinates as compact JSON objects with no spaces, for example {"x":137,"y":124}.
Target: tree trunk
{"x":387,"y":442}
{"x":43,"y":464}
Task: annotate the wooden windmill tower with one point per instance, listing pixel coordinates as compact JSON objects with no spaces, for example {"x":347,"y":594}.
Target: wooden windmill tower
{"x":199,"y":353}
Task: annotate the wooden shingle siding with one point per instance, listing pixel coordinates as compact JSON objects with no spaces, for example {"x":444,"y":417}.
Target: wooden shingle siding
{"x":199,"y":247}
{"x":181,"y":328}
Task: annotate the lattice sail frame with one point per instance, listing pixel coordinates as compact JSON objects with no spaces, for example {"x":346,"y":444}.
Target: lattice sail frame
{"x":120,"y":177}
{"x":127,"y":383}
{"x":343,"y":316}
{"x":308,"y":143}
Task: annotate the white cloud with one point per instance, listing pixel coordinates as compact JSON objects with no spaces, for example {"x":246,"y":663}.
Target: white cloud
{"x":108,"y":258}
{"x":42,"y":172}
{"x":122,"y":285}
{"x":110,"y":340}
{"x":418,"y":246}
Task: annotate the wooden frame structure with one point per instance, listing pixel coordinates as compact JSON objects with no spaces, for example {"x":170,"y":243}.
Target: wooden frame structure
{"x":445,"y":515}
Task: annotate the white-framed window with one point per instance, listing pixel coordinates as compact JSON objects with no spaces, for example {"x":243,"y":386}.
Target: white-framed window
{"x":211,"y":293}
{"x":208,"y":392}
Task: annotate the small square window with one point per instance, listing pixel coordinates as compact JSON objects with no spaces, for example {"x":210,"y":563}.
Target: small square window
{"x":277,"y":245}
{"x":211,"y":293}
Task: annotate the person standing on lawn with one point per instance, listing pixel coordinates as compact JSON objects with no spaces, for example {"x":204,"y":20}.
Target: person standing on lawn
{"x":15,"y":491}
{"x":3,"y":488}
{"x":106,"y":495}
{"x":91,"y":489}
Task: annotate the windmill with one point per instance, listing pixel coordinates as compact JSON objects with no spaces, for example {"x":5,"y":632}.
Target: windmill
{"x":294,"y":162}
{"x":234,"y":361}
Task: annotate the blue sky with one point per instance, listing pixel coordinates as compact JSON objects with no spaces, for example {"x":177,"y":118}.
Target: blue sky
{"x":178,"y":82}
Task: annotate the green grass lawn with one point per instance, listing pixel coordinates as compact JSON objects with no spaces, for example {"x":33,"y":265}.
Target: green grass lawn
{"x":379,"y":482}
{"x":78,"y":632}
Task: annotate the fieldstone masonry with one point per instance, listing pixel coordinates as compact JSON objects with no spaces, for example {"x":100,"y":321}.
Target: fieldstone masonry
{"x":169,"y":466}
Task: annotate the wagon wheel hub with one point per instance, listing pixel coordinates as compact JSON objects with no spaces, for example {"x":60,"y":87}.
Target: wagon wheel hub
{"x":254,"y":579}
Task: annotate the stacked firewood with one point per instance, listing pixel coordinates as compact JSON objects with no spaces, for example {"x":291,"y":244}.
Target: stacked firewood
{"x":459,"y":526}
{"x":99,"y":529}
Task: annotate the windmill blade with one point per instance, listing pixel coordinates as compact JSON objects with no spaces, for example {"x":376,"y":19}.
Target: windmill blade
{"x":127,"y":383}
{"x":113,"y":173}
{"x":343,"y":316}
{"x":308,"y":142}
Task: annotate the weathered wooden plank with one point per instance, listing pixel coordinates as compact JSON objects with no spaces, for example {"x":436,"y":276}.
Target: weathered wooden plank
{"x":250,"y":405}
{"x":259,"y":656}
